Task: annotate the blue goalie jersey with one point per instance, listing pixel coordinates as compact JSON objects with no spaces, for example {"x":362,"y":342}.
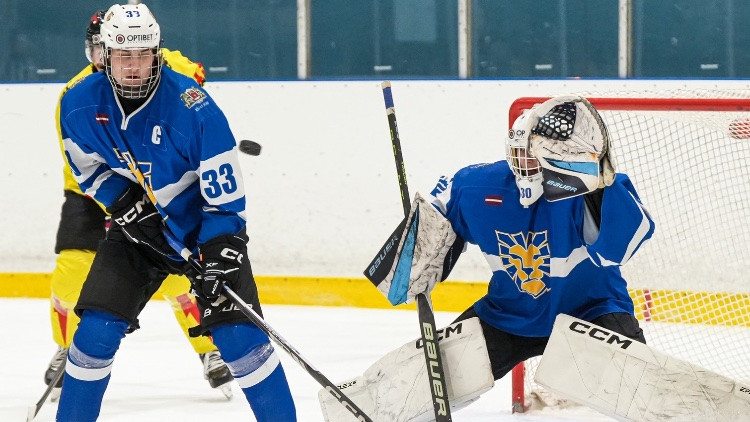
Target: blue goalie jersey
{"x":177,"y":145}
{"x":549,"y":258}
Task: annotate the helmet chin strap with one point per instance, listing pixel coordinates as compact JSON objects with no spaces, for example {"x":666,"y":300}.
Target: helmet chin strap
{"x":530,"y":189}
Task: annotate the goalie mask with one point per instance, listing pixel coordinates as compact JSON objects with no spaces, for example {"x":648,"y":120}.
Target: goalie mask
{"x":525,"y":167}
{"x":132,"y":60}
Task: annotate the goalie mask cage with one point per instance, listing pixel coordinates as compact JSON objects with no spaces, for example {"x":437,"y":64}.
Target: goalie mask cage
{"x":688,"y":155}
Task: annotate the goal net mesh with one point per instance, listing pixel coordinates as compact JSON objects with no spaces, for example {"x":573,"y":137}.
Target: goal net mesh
{"x":690,"y":284}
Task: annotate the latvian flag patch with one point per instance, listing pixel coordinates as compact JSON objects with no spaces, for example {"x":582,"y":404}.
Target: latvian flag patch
{"x":102,"y":118}
{"x":494,"y":200}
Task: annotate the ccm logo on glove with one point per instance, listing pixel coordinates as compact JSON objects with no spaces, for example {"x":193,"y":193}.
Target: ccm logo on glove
{"x":231,"y":254}
{"x":133,"y":213}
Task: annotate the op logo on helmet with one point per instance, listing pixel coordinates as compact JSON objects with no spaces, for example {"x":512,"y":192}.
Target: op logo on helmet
{"x":120,"y":39}
{"x":526,"y":259}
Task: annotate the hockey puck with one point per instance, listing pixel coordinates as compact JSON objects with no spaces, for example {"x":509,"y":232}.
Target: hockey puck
{"x":249,"y":147}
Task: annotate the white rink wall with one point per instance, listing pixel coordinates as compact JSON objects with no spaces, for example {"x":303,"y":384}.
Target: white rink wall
{"x":323,"y":194}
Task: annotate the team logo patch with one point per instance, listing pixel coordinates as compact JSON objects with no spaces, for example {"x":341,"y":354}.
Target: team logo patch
{"x":493,"y":200}
{"x":102,"y":118}
{"x":525,"y":257}
{"x":192,"y":96}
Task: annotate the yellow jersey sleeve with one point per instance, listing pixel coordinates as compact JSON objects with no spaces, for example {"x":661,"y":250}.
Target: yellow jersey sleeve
{"x":181,"y":64}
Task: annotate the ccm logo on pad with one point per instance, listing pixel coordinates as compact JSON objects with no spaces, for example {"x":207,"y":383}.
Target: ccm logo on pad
{"x":600,"y":334}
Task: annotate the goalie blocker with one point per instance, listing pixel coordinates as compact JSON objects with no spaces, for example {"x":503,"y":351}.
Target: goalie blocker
{"x":630,"y":381}
{"x":419,"y":253}
{"x":396,"y":387}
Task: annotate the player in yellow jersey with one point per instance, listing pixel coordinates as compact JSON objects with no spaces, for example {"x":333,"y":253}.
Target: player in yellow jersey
{"x":83,"y":225}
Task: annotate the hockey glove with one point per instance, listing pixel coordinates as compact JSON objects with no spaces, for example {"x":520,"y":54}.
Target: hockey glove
{"x":139,"y":220}
{"x":572,"y":144}
{"x":415,"y":257}
{"x":222,"y":258}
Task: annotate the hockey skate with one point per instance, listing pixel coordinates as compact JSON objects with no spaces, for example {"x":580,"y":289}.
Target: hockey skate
{"x":54,"y":365}
{"x":217,"y":373}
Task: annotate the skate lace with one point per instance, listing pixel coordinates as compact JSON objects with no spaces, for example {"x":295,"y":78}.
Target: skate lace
{"x":212,"y":362}
{"x":58,"y":358}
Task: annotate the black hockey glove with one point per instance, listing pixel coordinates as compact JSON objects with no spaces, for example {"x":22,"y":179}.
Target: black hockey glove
{"x":221,"y":258}
{"x":139,"y":220}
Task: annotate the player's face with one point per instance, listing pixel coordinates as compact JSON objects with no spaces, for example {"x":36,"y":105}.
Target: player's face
{"x":96,"y":56}
{"x":527,"y":164}
{"x":132,"y":68}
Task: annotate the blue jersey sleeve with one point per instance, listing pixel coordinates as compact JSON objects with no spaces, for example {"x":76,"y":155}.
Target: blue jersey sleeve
{"x":625,"y":224}
{"x":445,"y":197}
{"x":220,"y":178}
{"x":90,"y":170}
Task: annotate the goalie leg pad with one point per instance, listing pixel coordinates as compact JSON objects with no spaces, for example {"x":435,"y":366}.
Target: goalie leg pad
{"x":396,"y":387}
{"x":629,"y":381}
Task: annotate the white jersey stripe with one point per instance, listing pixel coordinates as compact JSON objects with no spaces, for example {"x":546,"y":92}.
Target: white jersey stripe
{"x":640,"y":233}
{"x":166,"y":194}
{"x":261,"y":373}
{"x":87,"y":374}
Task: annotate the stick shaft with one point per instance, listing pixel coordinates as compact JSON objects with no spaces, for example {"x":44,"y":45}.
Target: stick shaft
{"x":33,"y":411}
{"x":248,"y":311}
{"x":428,"y":328}
{"x":390,"y":112}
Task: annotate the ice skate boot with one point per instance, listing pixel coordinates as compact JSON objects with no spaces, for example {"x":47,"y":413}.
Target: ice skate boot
{"x":217,"y":373}
{"x":54,"y":365}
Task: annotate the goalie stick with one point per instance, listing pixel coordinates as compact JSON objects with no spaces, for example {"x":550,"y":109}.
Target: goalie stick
{"x":428,"y":329}
{"x":272,"y":334}
{"x":34,"y":410}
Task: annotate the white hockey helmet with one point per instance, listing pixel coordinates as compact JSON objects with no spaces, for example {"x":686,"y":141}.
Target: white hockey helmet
{"x":131,"y":36}
{"x":525,"y":167}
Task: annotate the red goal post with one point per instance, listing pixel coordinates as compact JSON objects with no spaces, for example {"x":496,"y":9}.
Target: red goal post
{"x":688,"y":153}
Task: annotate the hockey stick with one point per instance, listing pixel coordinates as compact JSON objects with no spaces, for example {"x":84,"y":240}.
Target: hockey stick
{"x":428,"y":329}
{"x":276,"y":337}
{"x":33,"y":410}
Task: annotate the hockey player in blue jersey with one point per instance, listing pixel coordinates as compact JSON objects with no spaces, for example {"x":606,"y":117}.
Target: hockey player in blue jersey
{"x":154,"y":148}
{"x":555,"y":224}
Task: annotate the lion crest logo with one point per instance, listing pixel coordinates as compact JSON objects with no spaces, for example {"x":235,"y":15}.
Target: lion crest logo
{"x":525,"y":257}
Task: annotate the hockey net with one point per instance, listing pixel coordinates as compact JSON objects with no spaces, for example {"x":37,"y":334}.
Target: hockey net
{"x":688,"y":154}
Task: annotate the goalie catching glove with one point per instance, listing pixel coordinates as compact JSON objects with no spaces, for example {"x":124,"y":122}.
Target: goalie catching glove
{"x":571,"y":142}
{"x":140,"y":221}
{"x":413,"y":259}
{"x":221,"y":259}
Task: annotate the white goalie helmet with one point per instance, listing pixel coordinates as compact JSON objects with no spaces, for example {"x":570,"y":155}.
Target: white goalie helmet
{"x":525,"y":167}
{"x":132,"y":59}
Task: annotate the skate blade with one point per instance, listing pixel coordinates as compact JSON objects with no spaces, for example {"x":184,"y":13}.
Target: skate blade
{"x":226,"y":389}
{"x":54,"y":396}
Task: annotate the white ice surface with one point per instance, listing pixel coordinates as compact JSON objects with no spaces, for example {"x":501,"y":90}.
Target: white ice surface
{"x":158,"y":377}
